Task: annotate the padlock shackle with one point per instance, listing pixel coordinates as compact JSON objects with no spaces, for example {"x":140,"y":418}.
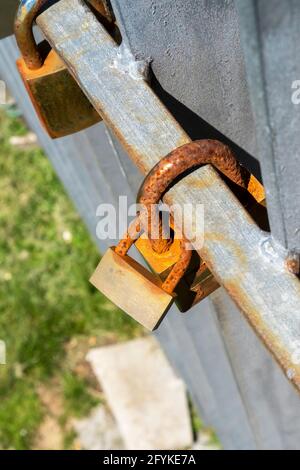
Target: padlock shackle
{"x":186,"y":157}
{"x":26,"y":14}
{"x":182,"y":159}
{"x":159,"y":179}
{"x":178,"y":269}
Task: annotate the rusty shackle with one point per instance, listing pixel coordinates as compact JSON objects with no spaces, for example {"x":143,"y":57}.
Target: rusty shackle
{"x":26,"y":14}
{"x":199,"y":152}
{"x":158,"y":181}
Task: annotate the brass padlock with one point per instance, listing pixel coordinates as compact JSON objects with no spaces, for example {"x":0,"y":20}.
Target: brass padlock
{"x":60,"y":104}
{"x":133,"y":288}
{"x":197,"y":283}
{"x":145,"y":296}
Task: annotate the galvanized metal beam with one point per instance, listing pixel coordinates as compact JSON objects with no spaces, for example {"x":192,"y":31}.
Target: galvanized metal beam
{"x":245,"y":260}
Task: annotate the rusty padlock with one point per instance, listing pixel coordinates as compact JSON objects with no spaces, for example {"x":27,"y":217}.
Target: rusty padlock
{"x":129,"y":285}
{"x":133,"y":288}
{"x":198,"y":281}
{"x":60,"y":104}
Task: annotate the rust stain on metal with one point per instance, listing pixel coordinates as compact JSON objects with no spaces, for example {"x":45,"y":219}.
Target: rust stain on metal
{"x":293,"y":264}
{"x":271,"y":341}
{"x":199,"y":183}
{"x":135,"y":155}
{"x":183,"y":140}
{"x":178,"y":269}
{"x":26,"y":14}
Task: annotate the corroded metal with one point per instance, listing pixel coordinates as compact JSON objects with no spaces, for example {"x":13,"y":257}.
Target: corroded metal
{"x":178,"y":269}
{"x":26,"y":14}
{"x":160,"y":263}
{"x":184,"y":158}
{"x":160,"y":178}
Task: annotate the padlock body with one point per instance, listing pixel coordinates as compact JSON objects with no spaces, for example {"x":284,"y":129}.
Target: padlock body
{"x":132,"y":288}
{"x":161,"y":264}
{"x":204,"y":284}
{"x":60,"y":104}
{"x":196,"y":284}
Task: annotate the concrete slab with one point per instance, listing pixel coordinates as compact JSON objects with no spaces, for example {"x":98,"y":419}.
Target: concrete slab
{"x":147,"y":399}
{"x":99,"y":431}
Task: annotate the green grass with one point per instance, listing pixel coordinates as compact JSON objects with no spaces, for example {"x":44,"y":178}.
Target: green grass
{"x":45,"y":297}
{"x":20,"y":414}
{"x":78,"y":401}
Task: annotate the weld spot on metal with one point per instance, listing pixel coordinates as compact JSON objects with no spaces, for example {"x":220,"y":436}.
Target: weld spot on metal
{"x":125,"y":62}
{"x":273,"y":252}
